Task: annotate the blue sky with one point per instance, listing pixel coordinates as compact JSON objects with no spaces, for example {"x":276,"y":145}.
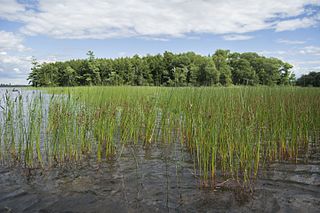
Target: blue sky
{"x":53,"y":30}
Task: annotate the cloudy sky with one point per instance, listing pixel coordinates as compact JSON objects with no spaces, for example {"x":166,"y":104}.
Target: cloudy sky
{"x":52,"y":30}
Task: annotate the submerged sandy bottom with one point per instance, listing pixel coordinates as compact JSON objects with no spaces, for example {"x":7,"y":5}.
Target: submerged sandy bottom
{"x":155,"y":179}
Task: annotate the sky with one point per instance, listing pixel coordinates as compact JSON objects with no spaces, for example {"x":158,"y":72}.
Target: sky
{"x":59,"y":30}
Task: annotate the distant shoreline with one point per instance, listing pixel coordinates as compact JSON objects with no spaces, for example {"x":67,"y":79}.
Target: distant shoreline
{"x":11,"y":86}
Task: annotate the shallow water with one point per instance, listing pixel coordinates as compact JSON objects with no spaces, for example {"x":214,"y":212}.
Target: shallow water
{"x":155,"y":178}
{"x":160,"y":178}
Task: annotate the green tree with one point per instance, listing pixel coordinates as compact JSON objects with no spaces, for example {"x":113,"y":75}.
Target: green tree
{"x":242,"y":72}
{"x":90,"y":74}
{"x":180,"y":76}
{"x":184,"y":69}
{"x":66,"y":76}
{"x":157,"y":68}
{"x":311,"y":79}
{"x":220,"y":59}
{"x":208,"y":74}
{"x":286,"y":76}
{"x":34,"y":77}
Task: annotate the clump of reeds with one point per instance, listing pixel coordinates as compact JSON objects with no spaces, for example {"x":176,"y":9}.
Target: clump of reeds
{"x":231,"y":131}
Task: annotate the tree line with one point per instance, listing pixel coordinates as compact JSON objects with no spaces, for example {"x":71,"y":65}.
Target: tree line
{"x":167,"y":69}
{"x":311,"y":79}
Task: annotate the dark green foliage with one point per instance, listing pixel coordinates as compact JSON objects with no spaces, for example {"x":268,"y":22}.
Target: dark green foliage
{"x":311,"y":79}
{"x":220,"y":59}
{"x":168,"y":69}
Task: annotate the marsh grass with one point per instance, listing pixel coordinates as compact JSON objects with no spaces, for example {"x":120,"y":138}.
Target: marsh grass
{"x":233,"y":132}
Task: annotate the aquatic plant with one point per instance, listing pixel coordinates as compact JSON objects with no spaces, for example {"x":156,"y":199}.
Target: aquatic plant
{"x":229,"y":132}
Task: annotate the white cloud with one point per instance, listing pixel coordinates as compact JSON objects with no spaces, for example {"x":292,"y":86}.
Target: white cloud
{"x":10,"y":41}
{"x":149,"y":19}
{"x":304,"y":67}
{"x":17,"y":70}
{"x":273,"y":52}
{"x":310,"y":50}
{"x":101,"y":19}
{"x":297,"y":23}
{"x":10,"y":9}
{"x":311,"y":62}
{"x":14,"y":68}
{"x":13,"y":62}
{"x":155,"y":39}
{"x":236,"y":37}
{"x":13,"y":80}
{"x":285,"y":41}
{"x":5,"y":59}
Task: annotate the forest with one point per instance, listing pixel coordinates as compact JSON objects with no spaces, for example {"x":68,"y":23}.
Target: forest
{"x":167,"y":69}
{"x":311,"y":79}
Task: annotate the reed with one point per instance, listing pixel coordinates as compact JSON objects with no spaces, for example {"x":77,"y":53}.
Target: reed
{"x":231,"y":132}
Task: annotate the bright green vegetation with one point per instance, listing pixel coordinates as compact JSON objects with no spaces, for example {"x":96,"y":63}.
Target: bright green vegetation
{"x":167,"y":69}
{"x":235,"y":131}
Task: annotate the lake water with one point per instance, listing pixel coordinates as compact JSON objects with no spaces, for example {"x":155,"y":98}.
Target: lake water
{"x":156,"y":178}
